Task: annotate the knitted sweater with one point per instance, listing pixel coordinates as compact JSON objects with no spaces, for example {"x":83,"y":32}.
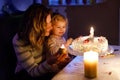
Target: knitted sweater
{"x":54,"y":43}
{"x":30,"y":59}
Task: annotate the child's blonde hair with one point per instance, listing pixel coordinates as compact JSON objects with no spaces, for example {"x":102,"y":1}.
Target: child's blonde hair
{"x":59,"y":17}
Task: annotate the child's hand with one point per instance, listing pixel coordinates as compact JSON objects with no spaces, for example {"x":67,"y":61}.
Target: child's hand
{"x":68,"y":42}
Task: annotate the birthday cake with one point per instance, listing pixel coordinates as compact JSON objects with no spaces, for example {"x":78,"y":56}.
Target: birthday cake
{"x":85,"y":43}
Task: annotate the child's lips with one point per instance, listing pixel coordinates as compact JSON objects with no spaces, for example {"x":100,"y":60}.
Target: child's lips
{"x":61,"y":32}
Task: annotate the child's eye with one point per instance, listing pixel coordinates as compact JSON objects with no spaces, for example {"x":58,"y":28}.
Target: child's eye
{"x":64,"y":26}
{"x":58,"y":27}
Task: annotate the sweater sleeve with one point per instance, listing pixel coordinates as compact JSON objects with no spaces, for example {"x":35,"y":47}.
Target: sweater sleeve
{"x":27,"y":60}
{"x":53,"y":46}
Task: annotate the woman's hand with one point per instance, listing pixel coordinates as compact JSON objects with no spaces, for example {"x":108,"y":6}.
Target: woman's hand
{"x":52,"y":59}
{"x":60,"y":60}
{"x":64,"y":62}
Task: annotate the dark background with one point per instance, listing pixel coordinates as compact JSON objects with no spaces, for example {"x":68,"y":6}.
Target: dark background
{"x":104,"y":17}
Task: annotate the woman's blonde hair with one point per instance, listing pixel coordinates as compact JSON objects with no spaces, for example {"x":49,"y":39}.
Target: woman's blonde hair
{"x":34,"y":24}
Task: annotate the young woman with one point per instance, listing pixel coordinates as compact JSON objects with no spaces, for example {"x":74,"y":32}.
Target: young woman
{"x":29,"y":42}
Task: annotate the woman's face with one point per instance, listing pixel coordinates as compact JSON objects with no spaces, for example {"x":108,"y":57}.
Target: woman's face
{"x":49,"y":26}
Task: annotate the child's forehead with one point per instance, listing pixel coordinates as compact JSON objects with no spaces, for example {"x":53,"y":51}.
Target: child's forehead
{"x":60,"y":23}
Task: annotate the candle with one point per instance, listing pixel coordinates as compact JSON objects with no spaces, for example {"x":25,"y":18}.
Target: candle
{"x":62,"y":49}
{"x":91,"y":32}
{"x":90,"y":64}
{"x":63,"y":53}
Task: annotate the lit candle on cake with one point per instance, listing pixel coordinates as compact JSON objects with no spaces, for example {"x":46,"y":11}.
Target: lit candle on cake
{"x":91,"y":32}
{"x":90,"y":64}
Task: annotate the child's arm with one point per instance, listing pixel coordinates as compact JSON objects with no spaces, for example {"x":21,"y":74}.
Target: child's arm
{"x":53,"y":46}
{"x":68,"y":42}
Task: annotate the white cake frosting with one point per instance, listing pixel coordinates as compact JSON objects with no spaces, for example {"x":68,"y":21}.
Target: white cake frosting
{"x":85,"y":43}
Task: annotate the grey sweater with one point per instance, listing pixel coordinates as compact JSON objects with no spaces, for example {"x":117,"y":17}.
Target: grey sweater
{"x":30,"y":59}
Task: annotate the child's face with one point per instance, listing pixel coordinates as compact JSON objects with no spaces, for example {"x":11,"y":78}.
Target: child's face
{"x":59,"y":28}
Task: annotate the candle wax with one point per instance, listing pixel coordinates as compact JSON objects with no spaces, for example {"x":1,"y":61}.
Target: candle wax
{"x":90,"y":64}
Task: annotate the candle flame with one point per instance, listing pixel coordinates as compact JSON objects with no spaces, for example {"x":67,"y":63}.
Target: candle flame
{"x":91,"y":32}
{"x":62,"y":46}
{"x":91,"y":56}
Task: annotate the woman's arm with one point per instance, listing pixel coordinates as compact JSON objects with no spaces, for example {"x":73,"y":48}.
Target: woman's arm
{"x":28,"y":62}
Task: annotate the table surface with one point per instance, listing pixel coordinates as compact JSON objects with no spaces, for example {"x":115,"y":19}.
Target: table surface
{"x":108,"y":68}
